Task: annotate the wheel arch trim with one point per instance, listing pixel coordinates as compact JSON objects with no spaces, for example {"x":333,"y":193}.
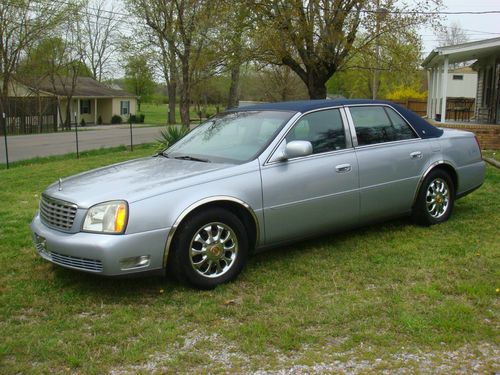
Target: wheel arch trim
{"x":431,"y":167}
{"x":201,"y":202}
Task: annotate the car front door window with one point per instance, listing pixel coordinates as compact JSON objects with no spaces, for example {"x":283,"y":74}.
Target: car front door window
{"x":324,"y":129}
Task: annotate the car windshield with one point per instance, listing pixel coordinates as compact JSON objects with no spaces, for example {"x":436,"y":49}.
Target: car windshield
{"x":233,"y":137}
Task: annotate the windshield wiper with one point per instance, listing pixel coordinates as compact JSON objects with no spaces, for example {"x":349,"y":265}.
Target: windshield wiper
{"x":161,"y":153}
{"x":187,"y":157}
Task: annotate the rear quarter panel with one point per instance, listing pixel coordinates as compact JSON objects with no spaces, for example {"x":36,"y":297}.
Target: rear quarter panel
{"x":460,"y":149}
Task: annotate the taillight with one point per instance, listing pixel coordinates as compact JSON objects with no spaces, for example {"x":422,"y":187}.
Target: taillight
{"x":478,"y":146}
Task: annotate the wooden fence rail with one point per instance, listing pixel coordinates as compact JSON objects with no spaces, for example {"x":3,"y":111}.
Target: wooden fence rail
{"x":458,"y":109}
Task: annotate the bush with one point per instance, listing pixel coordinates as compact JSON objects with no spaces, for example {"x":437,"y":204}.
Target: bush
{"x":132,"y":119}
{"x":82,"y":122}
{"x":99,"y":120}
{"x":405,"y":92}
{"x":116,"y":119}
{"x":142,"y":116}
{"x":171,"y":135}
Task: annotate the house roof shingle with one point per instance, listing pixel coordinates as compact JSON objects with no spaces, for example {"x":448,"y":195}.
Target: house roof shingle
{"x":84,"y":87}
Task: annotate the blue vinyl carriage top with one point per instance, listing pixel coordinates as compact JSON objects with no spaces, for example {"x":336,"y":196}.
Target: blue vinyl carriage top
{"x":421,"y":126}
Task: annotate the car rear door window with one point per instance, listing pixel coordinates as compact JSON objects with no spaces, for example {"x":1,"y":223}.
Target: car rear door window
{"x":377,"y":124}
{"x":324,"y":129}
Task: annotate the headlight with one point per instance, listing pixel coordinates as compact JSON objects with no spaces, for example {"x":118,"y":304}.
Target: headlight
{"x":108,"y":217}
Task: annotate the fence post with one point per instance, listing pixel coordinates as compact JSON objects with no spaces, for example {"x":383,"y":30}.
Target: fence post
{"x":131,"y":136}
{"x":4,"y":120}
{"x":76,"y":135}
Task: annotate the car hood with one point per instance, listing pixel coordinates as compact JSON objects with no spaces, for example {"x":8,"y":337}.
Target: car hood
{"x":132,"y":180}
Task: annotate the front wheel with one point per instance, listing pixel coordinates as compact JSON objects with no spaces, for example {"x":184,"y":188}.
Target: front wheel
{"x":435,"y":199}
{"x":211,"y":249}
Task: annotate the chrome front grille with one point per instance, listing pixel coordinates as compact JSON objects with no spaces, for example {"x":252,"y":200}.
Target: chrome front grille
{"x":56,"y":213}
{"x":75,"y":262}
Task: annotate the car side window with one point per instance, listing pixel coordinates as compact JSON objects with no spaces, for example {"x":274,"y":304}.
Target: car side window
{"x":324,"y":129}
{"x":378,"y":125}
{"x":401,"y":128}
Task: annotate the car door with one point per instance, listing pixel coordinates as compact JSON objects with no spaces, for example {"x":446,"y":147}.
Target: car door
{"x":316,"y":193}
{"x":391,"y":159}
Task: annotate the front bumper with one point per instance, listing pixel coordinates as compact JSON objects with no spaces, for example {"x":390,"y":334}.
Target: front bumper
{"x":103,"y":254}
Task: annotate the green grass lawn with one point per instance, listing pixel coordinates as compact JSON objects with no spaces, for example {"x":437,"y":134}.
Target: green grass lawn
{"x":384,"y":297}
{"x":156,"y":114}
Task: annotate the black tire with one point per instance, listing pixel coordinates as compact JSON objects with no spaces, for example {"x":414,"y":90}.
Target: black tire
{"x":223,"y":225}
{"x":425,"y":212}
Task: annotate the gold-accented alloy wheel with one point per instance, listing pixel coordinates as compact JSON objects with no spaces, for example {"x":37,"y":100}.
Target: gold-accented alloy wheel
{"x":437,"y":198}
{"x":213,"y":249}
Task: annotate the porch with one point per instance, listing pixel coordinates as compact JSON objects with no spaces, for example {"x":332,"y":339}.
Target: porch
{"x":95,"y":110}
{"x":487,"y":103}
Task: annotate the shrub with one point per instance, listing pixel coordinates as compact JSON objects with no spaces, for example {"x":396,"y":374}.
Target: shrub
{"x":116,"y":119}
{"x":133,"y":119}
{"x":142,"y":116}
{"x":99,"y":120}
{"x":82,"y":122}
{"x":405,"y":92}
{"x":170,"y":135}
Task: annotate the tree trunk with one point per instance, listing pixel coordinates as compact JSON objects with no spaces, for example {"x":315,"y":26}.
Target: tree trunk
{"x":172,"y":87}
{"x":5,"y":86}
{"x":185,"y":94}
{"x":232,"y":101}
{"x":68,"y":113}
{"x":172,"y":97}
{"x":316,"y":89}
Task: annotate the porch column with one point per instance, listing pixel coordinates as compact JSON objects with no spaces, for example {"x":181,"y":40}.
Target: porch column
{"x":59,"y":113}
{"x":436,"y":92}
{"x":95,"y":111}
{"x":431,"y":94}
{"x":445,"y":84}
{"x":429,"y":85}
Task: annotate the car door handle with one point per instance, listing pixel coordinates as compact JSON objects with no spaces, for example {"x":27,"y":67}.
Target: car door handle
{"x":416,"y":155}
{"x":343,"y":168}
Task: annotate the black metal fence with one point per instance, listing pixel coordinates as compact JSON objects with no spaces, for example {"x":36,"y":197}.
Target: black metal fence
{"x":28,"y":115}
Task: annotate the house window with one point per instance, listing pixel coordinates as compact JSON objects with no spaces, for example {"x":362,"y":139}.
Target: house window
{"x":124,"y":107}
{"x":458,"y":77}
{"x":85,"y":106}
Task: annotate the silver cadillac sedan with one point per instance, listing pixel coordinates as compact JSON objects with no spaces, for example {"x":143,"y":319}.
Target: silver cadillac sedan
{"x":253,"y":178}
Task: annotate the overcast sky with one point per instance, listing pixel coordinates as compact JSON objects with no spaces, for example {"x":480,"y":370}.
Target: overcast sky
{"x":477,"y":27}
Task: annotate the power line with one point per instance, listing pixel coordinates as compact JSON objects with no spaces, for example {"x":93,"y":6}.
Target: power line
{"x":375,"y":11}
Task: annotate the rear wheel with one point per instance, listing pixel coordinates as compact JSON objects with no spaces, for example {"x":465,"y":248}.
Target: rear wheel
{"x":210,"y":249}
{"x":435,"y":198}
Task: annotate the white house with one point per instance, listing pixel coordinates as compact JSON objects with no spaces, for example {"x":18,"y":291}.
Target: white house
{"x":462,"y":83}
{"x":487,"y":99}
{"x":92,"y":101}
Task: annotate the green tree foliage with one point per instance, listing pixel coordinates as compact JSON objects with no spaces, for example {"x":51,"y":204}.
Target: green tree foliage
{"x":182,"y":26}
{"x":22,"y":24}
{"x":313,"y":38}
{"x":47,"y":57}
{"x":280,"y":83}
{"x":139,"y":78}
{"x":397,"y":65}
{"x":317,"y":38}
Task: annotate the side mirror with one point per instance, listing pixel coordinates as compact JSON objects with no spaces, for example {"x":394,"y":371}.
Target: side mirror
{"x":293,"y":149}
